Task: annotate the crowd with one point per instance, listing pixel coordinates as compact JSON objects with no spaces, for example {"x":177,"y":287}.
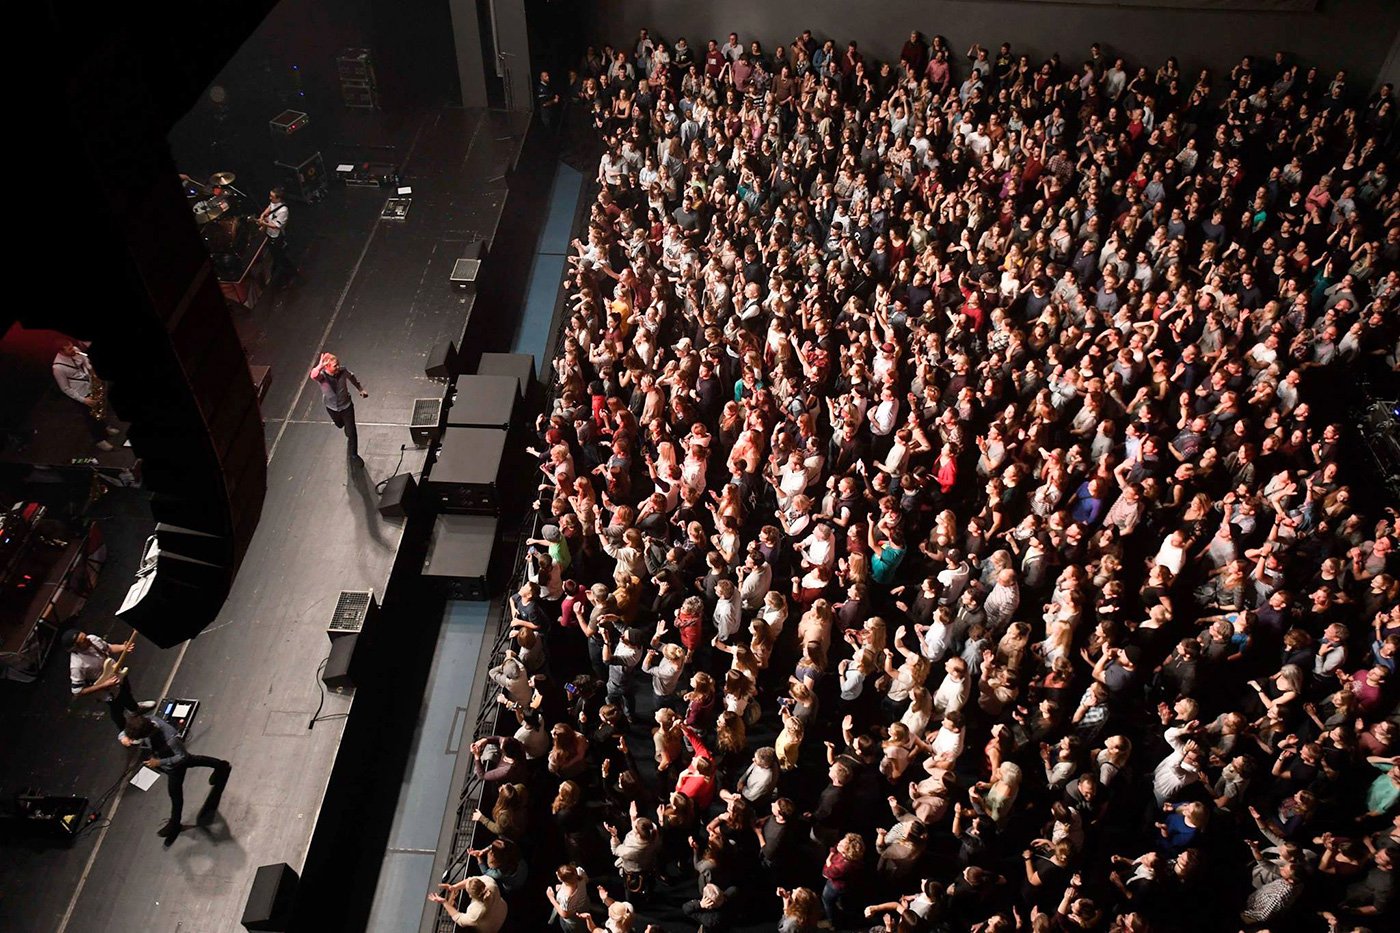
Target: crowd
{"x":947,"y":472}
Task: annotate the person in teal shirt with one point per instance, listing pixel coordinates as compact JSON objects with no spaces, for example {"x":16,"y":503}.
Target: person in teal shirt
{"x":1384,"y":791}
{"x":885,"y":558}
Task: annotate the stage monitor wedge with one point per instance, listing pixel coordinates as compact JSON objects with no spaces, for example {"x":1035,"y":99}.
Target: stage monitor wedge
{"x":442,"y":361}
{"x":399,"y":495}
{"x":270,"y":902}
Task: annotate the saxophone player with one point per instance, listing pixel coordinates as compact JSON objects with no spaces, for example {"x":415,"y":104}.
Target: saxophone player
{"x":73,"y":373}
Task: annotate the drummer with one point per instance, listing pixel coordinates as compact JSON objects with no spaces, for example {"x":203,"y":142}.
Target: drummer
{"x":193,"y":188}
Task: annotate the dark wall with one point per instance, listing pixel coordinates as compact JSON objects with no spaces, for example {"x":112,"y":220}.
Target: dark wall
{"x":1355,"y":34}
{"x":290,"y":62}
{"x":1390,"y":71}
{"x":413,"y":40}
{"x":120,"y":265}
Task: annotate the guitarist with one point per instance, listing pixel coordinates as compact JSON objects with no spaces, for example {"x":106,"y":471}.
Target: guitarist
{"x":92,"y":676}
{"x":273,"y":221}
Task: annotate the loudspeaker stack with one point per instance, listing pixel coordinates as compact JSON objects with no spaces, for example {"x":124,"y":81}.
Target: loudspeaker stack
{"x":479,"y":471}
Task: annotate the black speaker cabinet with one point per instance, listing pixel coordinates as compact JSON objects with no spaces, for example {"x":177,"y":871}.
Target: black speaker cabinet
{"x":468,"y":477}
{"x":485,"y":402}
{"x":354,"y":611}
{"x":459,"y":555}
{"x":341,"y":668}
{"x":270,"y":903}
{"x":292,"y":137}
{"x":519,"y":365}
{"x":304,"y":181}
{"x":426,"y":425}
{"x":191,"y":543}
{"x":442,"y":361}
{"x":398,"y":495}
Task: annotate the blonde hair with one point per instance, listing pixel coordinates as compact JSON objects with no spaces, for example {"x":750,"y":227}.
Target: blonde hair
{"x":875,"y":635}
{"x":568,"y":796}
{"x":730,"y":733}
{"x":1195,"y":812}
{"x":802,"y":905}
{"x":852,"y":846}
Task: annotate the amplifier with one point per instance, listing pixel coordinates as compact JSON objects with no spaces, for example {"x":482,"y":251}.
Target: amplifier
{"x":359,"y":94}
{"x":353,"y":611}
{"x":354,"y":65}
{"x":304,"y":181}
{"x":469,"y":473}
{"x":426,"y":426}
{"x":459,"y":555}
{"x":484,"y":402}
{"x":358,"y":87}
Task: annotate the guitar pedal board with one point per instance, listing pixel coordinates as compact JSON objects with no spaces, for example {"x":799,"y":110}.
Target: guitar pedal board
{"x":179,"y":713}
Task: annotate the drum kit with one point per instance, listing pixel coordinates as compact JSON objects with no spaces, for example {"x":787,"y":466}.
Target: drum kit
{"x":215,"y":211}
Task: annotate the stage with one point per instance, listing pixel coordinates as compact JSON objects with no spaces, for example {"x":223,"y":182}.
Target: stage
{"x":375,"y":292}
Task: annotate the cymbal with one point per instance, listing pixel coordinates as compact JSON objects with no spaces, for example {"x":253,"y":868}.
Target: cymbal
{"x":209,"y":210}
{"x":219,"y":179}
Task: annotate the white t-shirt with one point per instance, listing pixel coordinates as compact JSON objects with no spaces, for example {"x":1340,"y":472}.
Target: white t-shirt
{"x":85,"y":667}
{"x":277,"y":217}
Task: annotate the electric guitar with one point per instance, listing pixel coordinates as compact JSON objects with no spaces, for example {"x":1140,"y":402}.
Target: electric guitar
{"x":113,"y":666}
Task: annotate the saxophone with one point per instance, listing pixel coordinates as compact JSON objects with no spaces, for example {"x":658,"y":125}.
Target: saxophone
{"x":98,"y":396}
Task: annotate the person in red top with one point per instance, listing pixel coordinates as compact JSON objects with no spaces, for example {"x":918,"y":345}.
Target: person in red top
{"x":972,"y":308}
{"x":850,"y":59}
{"x":690,"y":623}
{"x":946,"y":469}
{"x":841,"y":871}
{"x":915,"y":53}
{"x":938,"y":72}
{"x":697,"y":781}
{"x":714,"y":60}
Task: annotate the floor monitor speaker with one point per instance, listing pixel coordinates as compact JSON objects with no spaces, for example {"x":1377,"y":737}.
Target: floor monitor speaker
{"x":442,"y":361}
{"x":397,"y":497}
{"x":269,"y":905}
{"x":339,"y":673}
